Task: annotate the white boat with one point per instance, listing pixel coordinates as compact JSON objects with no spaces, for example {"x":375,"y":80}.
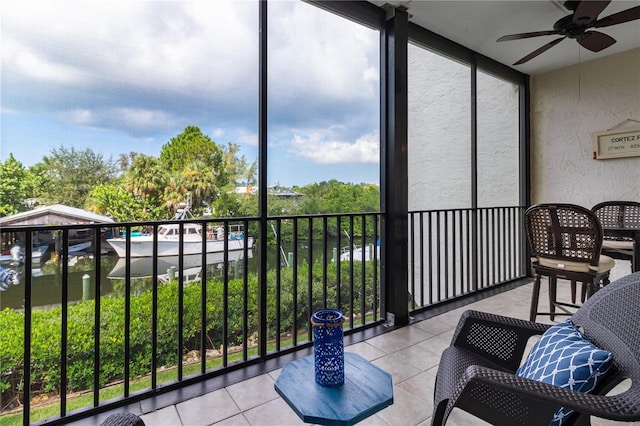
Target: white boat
{"x":169,"y":239}
{"x":6,"y":258}
{"x":142,"y":267}
{"x":37,"y":254}
{"x":358,"y":253}
{"x":79,"y":247}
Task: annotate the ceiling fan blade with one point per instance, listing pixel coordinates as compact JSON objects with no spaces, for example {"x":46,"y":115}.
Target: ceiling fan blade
{"x":588,"y":10}
{"x":527,"y":35}
{"x":539,"y":51}
{"x":619,"y":18}
{"x":595,"y":41}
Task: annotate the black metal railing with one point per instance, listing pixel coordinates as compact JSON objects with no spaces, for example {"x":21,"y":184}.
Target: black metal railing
{"x":119,"y":328}
{"x":453,"y":253}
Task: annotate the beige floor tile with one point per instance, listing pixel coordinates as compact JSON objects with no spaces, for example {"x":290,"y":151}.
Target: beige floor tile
{"x":273,"y":413}
{"x":399,"y":339}
{"x":237,"y":420}
{"x":420,"y":356}
{"x":163,"y":417}
{"x":207,"y":409}
{"x":399,"y":370}
{"x":408,"y":408}
{"x":253,"y":392}
{"x":366,"y":351}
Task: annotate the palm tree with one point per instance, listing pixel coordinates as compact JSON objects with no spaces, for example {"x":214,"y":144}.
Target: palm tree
{"x":175,"y":190}
{"x":201,"y":182}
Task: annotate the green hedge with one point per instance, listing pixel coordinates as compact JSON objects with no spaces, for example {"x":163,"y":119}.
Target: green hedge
{"x":46,"y":327}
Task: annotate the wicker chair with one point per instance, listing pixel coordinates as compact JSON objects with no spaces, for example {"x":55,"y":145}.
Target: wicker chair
{"x":617,"y":214}
{"x":476,"y":373}
{"x":565,"y":242}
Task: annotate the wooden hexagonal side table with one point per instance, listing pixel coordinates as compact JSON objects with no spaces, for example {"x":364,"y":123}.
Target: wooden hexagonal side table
{"x":367,"y":389}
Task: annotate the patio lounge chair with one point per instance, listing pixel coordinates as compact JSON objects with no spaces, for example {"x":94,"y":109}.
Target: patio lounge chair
{"x":477,"y":373}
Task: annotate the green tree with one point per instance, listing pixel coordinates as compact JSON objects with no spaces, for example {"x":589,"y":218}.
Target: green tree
{"x":116,"y":201}
{"x":338,"y":197}
{"x":175,"y":191}
{"x":72,"y":175}
{"x":239,"y":170}
{"x":200,"y":181}
{"x":195,"y":164}
{"x":146,"y":179}
{"x":189,"y":146}
{"x":37,"y":180}
{"x":13,"y":187}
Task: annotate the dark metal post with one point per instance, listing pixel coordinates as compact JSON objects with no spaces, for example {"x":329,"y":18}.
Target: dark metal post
{"x":393,"y":162}
{"x":262,"y":179}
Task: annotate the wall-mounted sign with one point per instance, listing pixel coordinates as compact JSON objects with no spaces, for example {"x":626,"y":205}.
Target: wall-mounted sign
{"x":616,"y":143}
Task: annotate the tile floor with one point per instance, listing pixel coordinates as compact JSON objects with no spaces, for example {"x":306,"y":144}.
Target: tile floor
{"x":410,"y":354}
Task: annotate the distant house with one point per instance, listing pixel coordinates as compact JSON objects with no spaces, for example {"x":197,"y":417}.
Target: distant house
{"x":280,"y":191}
{"x":56,"y":214}
{"x":276,"y":190}
{"x":245,"y":190}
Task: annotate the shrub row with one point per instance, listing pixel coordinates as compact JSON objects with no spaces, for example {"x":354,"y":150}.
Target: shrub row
{"x":46,"y":326}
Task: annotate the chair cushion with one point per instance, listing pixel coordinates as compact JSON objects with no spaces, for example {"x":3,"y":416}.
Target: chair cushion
{"x":614,"y":244}
{"x":605,"y":263}
{"x":564,"y":357}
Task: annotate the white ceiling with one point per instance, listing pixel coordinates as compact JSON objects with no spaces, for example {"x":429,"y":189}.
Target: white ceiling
{"x":478,"y":24}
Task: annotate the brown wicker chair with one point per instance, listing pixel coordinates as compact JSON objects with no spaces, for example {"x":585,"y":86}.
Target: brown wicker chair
{"x":617,"y":214}
{"x":565,"y":242}
{"x":476,"y":373}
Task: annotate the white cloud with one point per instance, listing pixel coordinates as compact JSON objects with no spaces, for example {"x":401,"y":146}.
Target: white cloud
{"x":131,"y":118}
{"x":322,"y":149}
{"x":326,"y":61}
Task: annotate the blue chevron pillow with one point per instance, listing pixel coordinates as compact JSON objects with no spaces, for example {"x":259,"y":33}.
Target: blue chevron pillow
{"x":565,"y":358}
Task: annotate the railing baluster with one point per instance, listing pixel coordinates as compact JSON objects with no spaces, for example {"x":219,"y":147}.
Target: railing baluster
{"x":338,"y":263}
{"x":310,"y":275}
{"x":351,"y":263}
{"x":96,"y":315}
{"x":278,"y":283}
{"x":325,"y":262}
{"x":225,"y":297}
{"x":64,"y":320}
{"x":180,"y":331}
{"x":26,"y":399}
{"x":245,"y":292}
{"x":203,"y":298}
{"x":154,"y":311}
{"x":376,"y":304}
{"x":127,"y":310}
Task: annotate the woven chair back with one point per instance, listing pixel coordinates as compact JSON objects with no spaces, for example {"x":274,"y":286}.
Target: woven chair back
{"x":617,"y":214}
{"x":563,"y":231}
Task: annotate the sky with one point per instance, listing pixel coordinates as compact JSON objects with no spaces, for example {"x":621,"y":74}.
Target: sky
{"x":127,"y":76}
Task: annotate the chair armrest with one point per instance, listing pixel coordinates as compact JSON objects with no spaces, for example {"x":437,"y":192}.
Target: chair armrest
{"x":500,"y":339}
{"x":546,"y":398}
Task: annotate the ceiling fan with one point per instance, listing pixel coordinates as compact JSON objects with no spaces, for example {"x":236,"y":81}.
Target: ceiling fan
{"x":584,"y":16}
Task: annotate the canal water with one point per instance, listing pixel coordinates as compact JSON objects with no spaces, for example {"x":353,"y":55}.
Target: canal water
{"x":47,"y":288}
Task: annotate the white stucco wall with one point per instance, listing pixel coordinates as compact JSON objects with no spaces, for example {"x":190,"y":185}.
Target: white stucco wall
{"x":567,"y":107}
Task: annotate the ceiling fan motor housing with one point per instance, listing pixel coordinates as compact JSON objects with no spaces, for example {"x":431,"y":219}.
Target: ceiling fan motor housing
{"x":566,"y":26}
